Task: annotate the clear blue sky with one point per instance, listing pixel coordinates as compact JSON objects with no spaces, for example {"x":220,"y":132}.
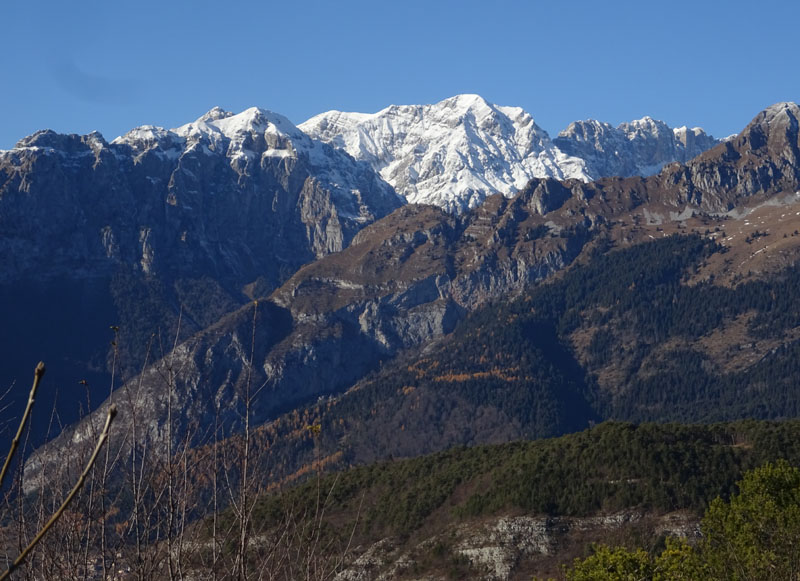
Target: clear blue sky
{"x":76,"y":66}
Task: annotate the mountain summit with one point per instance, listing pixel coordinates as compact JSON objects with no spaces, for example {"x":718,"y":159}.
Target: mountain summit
{"x":160,"y":225}
{"x":456,"y":152}
{"x":641,"y":147}
{"x":255,"y":137}
{"x":451,"y":154}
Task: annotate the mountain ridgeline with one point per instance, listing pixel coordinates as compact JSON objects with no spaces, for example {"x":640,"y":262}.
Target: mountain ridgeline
{"x":159,"y":234}
{"x":228,"y":208}
{"x":266,"y":304}
{"x":455,"y":153}
{"x":111,"y":250}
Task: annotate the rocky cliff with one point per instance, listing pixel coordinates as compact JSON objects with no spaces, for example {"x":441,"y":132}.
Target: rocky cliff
{"x":763,"y":160}
{"x":232,"y":196}
{"x":160,"y":225}
{"x":638,"y":148}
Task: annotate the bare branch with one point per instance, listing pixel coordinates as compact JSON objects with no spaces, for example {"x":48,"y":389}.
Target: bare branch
{"x":112,"y":412}
{"x":37,"y":377}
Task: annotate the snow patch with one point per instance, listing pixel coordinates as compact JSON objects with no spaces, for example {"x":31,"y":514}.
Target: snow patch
{"x":453,"y":153}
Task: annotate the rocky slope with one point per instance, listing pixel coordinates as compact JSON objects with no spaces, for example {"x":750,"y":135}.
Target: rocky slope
{"x":763,"y":160}
{"x":455,"y":153}
{"x":641,"y":147}
{"x":130,"y":233}
{"x":409,"y":278}
{"x":403,"y":281}
{"x":509,"y":547}
{"x":523,"y":509}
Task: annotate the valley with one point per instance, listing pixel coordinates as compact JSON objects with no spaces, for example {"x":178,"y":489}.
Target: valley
{"x":265,"y":305}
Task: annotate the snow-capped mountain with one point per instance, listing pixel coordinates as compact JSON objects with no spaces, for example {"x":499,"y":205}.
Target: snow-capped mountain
{"x":451,"y":154}
{"x":184,"y":198}
{"x":458,"y":151}
{"x":158,"y":226}
{"x":408,"y":279}
{"x":641,"y":147}
{"x":255,"y":135}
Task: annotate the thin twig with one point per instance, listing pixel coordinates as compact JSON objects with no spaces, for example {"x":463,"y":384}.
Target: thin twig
{"x":112,"y":412}
{"x":37,"y":377}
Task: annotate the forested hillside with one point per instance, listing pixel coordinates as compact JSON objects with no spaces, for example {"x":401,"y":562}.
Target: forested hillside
{"x":624,"y":336}
{"x":639,"y":473}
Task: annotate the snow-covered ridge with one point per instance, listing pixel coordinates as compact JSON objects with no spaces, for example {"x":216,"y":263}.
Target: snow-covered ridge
{"x":253,"y":131}
{"x":451,"y":154}
{"x":281,"y":137}
{"x":456,"y":152}
{"x":253,"y":136}
{"x":640,"y":147}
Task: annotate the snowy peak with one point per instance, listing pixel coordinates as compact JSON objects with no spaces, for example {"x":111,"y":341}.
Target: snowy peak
{"x":645,"y":125}
{"x":257,"y":138}
{"x":639,"y":147}
{"x":596,"y":134}
{"x":474,"y":110}
{"x":252,"y":120}
{"x":694,"y":141}
{"x":253,"y":132}
{"x":150,"y":137}
{"x":251,"y":135}
{"x":780,"y":111}
{"x":773,"y":134}
{"x":453,"y":153}
{"x":456,"y":152}
{"x":466,"y":101}
{"x":215,"y":114}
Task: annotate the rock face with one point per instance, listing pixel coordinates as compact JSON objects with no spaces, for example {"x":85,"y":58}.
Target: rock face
{"x":234,"y":196}
{"x":508,"y":547}
{"x":409,"y":278}
{"x":160,"y":222}
{"x":638,"y":148}
{"x":452,"y":154}
{"x":402,"y":282}
{"x":760,"y":162}
{"x":763,"y":160}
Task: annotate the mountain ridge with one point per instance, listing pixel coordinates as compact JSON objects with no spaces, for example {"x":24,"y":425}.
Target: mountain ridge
{"x":455,"y":153}
{"x":407,"y":280}
{"x":639,"y":147}
{"x":161,"y":226}
{"x":429,"y":330}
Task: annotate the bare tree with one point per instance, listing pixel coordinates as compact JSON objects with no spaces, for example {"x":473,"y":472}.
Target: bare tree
{"x":61,"y":510}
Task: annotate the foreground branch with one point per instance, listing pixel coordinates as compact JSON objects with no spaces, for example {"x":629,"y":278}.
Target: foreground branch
{"x":37,"y":377}
{"x":112,"y":412}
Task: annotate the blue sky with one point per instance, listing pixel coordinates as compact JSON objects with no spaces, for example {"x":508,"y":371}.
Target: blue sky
{"x":83,"y":65}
